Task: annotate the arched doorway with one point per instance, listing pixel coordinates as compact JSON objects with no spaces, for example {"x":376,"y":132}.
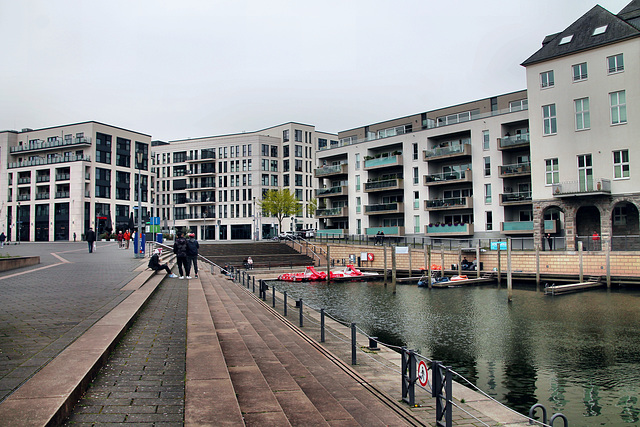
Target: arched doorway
{"x":588,"y":228}
{"x":625,"y":227}
{"x":552,"y":227}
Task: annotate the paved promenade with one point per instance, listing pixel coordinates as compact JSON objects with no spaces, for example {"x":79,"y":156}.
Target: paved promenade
{"x":200,"y":352}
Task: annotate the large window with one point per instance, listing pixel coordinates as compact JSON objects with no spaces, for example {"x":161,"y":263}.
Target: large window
{"x":618,"y":107}
{"x":487,"y":193}
{"x":579,"y":72}
{"x":285,"y":135}
{"x":486,"y":142}
{"x":487,"y":166}
{"x":549,"y":123}
{"x":621,"y":164}
{"x":103,"y":148}
{"x":546,"y":79}
{"x":298,"y":135}
{"x":583,"y":120}
{"x":552,"y":173}
{"x":585,"y":172}
{"x":615,"y":63}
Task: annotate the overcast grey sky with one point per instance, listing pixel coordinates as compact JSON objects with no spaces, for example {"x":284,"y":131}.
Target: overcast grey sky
{"x":189,"y":68}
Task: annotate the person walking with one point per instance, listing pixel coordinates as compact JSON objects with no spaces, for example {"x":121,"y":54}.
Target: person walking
{"x":91,"y":238}
{"x":74,"y":236}
{"x":154,"y":263}
{"x":192,"y":254}
{"x":2,"y":239}
{"x":180,"y":249}
{"x":126,"y":236}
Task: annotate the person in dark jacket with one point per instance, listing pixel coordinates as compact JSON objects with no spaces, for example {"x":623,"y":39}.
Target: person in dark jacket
{"x":180,"y":249}
{"x":91,"y":238}
{"x":192,"y":253}
{"x":154,"y":263}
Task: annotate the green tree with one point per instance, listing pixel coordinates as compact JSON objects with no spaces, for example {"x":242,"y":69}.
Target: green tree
{"x":280,"y":204}
{"x":312,"y":207}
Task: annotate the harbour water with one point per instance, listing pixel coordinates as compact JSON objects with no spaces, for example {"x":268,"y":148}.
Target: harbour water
{"x":578,"y":354}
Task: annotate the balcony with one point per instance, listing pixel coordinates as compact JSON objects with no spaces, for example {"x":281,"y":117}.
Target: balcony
{"x":384,"y":185}
{"x":513,"y":142}
{"x":445,"y":230}
{"x":515,"y":170}
{"x":23,"y":181}
{"x":453,"y":177}
{"x":62,"y":194}
{"x":342,"y":211}
{"x":388,"y":231}
{"x":516,"y":198}
{"x":384,"y":208}
{"x":43,"y":178}
{"x":204,"y":157}
{"x":201,"y":172}
{"x":52,"y":161}
{"x":199,"y":201}
{"x":23,"y":197}
{"x":448,"y":204}
{"x":63,"y":177}
{"x":326,"y":171}
{"x":42,"y":196}
{"x":383,"y":162}
{"x":450,"y":152}
{"x":341,"y":190}
{"x":331,"y":232}
{"x":589,"y":187}
{"x":526,"y":227}
{"x":50,"y":145}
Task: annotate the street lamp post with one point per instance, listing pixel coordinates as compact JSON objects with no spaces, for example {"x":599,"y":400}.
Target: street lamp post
{"x":139,"y":158}
{"x":18,"y":222}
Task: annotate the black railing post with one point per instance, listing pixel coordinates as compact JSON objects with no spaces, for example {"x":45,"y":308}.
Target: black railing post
{"x":273,"y":296}
{"x":353,"y":344}
{"x":409,"y":376}
{"x":254,"y":284}
{"x":322,"y":325}
{"x":301,"y":321}
{"x":285,"y":303}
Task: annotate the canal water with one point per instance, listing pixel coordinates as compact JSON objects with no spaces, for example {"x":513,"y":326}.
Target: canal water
{"x":578,"y":354}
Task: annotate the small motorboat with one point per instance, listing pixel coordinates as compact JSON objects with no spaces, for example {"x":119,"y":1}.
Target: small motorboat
{"x":351,"y":272}
{"x":309,"y":275}
{"x":424,"y":283}
{"x":459,"y":278}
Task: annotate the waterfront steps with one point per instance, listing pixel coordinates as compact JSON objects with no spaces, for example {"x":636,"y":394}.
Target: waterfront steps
{"x":266,"y":253}
{"x":279,"y":377}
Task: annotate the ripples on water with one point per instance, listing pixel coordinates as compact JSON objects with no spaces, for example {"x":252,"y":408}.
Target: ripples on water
{"x":578,"y":354}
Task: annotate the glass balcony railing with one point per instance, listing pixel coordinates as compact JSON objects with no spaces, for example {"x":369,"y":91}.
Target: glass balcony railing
{"x":447,"y":176}
{"x":387,"y":184}
{"x":384,"y":208}
{"x":391,"y":160}
{"x":47,"y":145}
{"x":330,"y":170}
{"x":454,"y":202}
{"x":463,"y":149}
{"x":515,"y":169}
{"x":518,"y":196}
{"x":50,"y":161}
{"x":340,"y":211}
{"x":331,"y":191}
{"x":511,"y":141}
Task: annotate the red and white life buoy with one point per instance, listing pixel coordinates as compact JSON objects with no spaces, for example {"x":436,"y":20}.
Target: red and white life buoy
{"x":370,"y":257}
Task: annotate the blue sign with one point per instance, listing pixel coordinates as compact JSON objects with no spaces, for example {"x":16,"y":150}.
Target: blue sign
{"x":155,"y":220}
{"x":494,"y":246}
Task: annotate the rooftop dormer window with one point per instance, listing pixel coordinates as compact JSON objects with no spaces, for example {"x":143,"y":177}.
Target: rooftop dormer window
{"x":599,"y":30}
{"x":566,"y":39}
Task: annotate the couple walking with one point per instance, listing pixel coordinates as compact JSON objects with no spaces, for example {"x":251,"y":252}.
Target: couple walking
{"x":187,"y":254}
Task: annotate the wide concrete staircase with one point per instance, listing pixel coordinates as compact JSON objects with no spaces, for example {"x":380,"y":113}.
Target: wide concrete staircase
{"x":265,"y":254}
{"x":277,"y":374}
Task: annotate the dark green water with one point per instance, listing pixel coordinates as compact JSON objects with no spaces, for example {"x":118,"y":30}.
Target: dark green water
{"x":578,"y":354}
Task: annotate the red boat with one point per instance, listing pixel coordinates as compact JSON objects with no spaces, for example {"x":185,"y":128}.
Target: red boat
{"x":351,"y":272}
{"x":309,"y":275}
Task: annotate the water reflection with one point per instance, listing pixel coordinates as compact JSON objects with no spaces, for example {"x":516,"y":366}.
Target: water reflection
{"x":577,"y":354}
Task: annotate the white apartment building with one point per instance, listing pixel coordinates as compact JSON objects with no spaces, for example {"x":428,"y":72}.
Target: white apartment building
{"x":59,"y":181}
{"x":455,"y":172}
{"x":213,"y":186}
{"x":584,"y":112}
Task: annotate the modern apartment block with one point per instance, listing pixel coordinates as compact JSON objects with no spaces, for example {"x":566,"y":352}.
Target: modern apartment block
{"x":456,"y":172}
{"x":552,"y":160}
{"x":59,"y":181}
{"x":584,"y":111}
{"x":213,"y":186}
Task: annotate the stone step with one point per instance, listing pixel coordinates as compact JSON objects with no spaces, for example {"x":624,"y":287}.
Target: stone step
{"x":286,"y":358}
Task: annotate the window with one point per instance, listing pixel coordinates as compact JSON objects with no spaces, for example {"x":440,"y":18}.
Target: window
{"x":585,"y":172}
{"x":552,"y":172}
{"x":566,"y":39}
{"x":621,"y":164}
{"x":416,"y":177}
{"x":298,"y":135}
{"x":546,"y":79}
{"x":489,"y":220}
{"x":487,"y":166}
{"x":486,"y":142}
{"x":620,"y":215}
{"x":357,"y":161}
{"x":522,"y":104}
{"x":615,"y":63}
{"x":487,"y":193}
{"x":618,"y":107}
{"x":285,"y":135}
{"x":599,"y":30}
{"x":415,"y":151}
{"x":298,"y":149}
{"x":550,"y":126}
{"x":579,"y":72}
{"x":416,"y":223}
{"x":357,"y":182}
{"x":358,"y":204}
{"x":583,"y":120}
{"x":416,"y":200}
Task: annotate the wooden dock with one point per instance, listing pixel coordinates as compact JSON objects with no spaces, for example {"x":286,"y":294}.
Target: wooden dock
{"x":573,"y":287}
{"x":467,"y":282}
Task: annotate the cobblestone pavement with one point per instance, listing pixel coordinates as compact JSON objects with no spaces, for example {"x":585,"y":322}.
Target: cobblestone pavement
{"x":46,"y":307}
{"x":143,"y":381}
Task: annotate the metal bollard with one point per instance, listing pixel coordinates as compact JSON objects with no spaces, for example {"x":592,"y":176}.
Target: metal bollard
{"x":373,"y":344}
{"x":353,"y":343}
{"x":322,"y":325}
{"x":273,"y":296}
{"x":301,"y":322}
{"x":285,"y":303}
{"x":254,"y":285}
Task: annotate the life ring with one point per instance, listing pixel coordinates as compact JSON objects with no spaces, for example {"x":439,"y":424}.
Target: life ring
{"x":370,"y":257}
